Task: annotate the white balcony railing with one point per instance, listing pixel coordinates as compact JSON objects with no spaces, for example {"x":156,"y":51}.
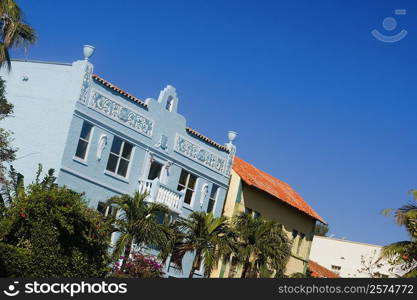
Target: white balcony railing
{"x":160,"y":193}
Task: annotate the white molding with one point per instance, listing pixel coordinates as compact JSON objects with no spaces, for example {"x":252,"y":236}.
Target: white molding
{"x":165,"y":94}
{"x":203,"y":194}
{"x":79,"y":113}
{"x":115,"y":114}
{"x":116,"y":176}
{"x":101,"y":145}
{"x":94,"y":181}
{"x":80,"y":160}
{"x":194,"y":150}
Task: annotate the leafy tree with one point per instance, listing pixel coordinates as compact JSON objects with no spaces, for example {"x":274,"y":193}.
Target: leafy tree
{"x":138,"y":266}
{"x":14,"y":31}
{"x":302,"y":275}
{"x":7,"y":152}
{"x":138,"y":222}
{"x":49,"y":231}
{"x":372,"y":264}
{"x":404,"y":253}
{"x":174,"y":241}
{"x":321,"y":229}
{"x":261,"y":246}
{"x":203,"y":235}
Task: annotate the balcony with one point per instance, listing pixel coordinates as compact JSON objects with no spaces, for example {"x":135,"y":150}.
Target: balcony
{"x":160,"y":193}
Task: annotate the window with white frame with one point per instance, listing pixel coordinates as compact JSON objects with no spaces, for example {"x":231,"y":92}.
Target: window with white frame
{"x":106,"y":210}
{"x":119,"y":158}
{"x":84,"y":140}
{"x":336,"y":269}
{"x":213,"y":198}
{"x":187,"y":183}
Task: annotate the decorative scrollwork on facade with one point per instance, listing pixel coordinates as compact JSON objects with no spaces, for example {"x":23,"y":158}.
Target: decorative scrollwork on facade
{"x":199,"y":154}
{"x":102,"y":143}
{"x":230,"y":158}
{"x":121,"y":114}
{"x":85,"y":87}
{"x":203,"y":194}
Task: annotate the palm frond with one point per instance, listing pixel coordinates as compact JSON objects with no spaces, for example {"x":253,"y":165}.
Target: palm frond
{"x":121,"y":243}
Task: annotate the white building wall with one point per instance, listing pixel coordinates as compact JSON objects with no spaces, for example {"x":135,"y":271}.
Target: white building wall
{"x":347,"y":255}
{"x":43,"y":95}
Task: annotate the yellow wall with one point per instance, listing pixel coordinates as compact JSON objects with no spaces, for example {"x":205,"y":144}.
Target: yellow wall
{"x":274,"y":209}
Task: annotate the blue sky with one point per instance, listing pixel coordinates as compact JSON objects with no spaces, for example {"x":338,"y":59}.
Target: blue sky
{"x":317,"y":101}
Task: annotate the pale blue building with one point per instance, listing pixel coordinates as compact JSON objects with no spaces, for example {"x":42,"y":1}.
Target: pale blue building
{"x":105,"y":141}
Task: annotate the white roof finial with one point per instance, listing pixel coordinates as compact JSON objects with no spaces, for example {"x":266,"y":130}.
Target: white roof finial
{"x":88,"y":51}
{"x":232,"y":136}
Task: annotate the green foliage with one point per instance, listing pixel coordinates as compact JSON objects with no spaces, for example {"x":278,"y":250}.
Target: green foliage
{"x":202,"y":234}
{"x":301,"y":275}
{"x":49,"y":231}
{"x":321,"y":229}
{"x":7,"y":152}
{"x":138,"y":266}
{"x":138,"y":222}
{"x":14,"y":261}
{"x":404,"y":253}
{"x":14,"y":31}
{"x":6,"y":108}
{"x":260,"y":246}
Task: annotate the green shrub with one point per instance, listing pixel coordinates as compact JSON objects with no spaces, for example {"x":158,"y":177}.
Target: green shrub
{"x":49,"y":231}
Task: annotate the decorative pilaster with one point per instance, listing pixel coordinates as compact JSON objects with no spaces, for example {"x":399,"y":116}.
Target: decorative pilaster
{"x":86,"y":84}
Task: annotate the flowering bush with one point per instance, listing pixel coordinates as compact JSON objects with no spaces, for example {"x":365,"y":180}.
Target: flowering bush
{"x":138,"y":266}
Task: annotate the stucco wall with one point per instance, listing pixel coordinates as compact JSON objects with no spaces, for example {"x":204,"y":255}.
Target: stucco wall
{"x":90,"y":175}
{"x":52,"y":102}
{"x":241,"y":195}
{"x":43,"y":95}
{"x":346,"y":254}
{"x":165,"y":122}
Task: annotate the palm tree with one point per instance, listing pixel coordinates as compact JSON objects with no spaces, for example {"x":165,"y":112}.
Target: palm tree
{"x":175,"y":239}
{"x":203,"y":235}
{"x":261,"y":246}
{"x":138,"y":221}
{"x":14,"y":32}
{"x":404,"y":253}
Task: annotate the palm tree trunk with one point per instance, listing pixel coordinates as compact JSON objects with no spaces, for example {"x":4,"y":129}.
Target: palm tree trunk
{"x":194,"y":265}
{"x":245,"y":269}
{"x":192,"y":272}
{"x":126,"y":254}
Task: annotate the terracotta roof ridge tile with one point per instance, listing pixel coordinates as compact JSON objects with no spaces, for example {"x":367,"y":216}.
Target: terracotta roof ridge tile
{"x":118,"y":90}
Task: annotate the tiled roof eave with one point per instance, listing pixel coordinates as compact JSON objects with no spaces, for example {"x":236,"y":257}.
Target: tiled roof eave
{"x":118,"y":90}
{"x":318,"y":218}
{"x":278,"y":189}
{"x":206,"y":139}
{"x":320,"y":271}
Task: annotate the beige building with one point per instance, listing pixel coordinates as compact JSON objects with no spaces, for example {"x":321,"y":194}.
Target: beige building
{"x":254,"y":191}
{"x":352,"y":259}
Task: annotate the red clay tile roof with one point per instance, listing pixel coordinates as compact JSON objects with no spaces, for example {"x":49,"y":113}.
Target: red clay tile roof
{"x":140,"y":102}
{"x":319,"y":271}
{"x":206,"y":139}
{"x":118,"y":90}
{"x":273,"y":186}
